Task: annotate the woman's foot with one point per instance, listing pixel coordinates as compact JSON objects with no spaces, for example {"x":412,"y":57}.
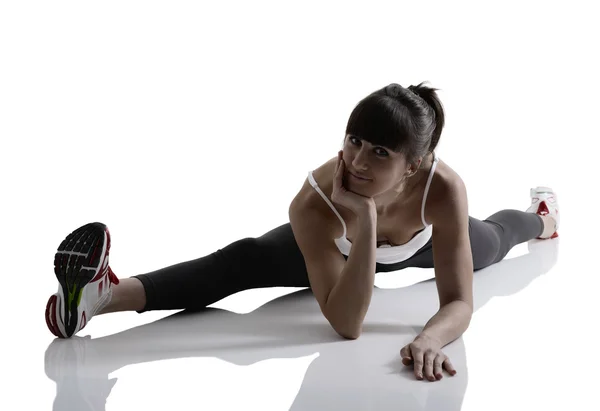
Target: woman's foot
{"x":544,"y":202}
{"x":85,"y":280}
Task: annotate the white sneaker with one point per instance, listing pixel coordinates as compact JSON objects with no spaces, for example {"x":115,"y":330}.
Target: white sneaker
{"x":85,"y":280}
{"x":544,"y":201}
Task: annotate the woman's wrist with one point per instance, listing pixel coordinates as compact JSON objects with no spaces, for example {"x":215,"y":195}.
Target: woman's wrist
{"x":367,"y":215}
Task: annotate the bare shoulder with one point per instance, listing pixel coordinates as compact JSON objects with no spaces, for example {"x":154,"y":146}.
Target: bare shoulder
{"x":447,"y":189}
{"x":445,"y":179}
{"x":308,"y":197}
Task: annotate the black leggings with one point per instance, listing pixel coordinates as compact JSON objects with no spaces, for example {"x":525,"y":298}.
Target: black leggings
{"x":274,"y":260}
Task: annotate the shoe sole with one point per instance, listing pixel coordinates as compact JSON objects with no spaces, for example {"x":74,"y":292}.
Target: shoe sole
{"x":77,"y":262}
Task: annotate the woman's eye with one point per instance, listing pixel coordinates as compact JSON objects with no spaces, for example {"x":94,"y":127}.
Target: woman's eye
{"x":381,"y":152}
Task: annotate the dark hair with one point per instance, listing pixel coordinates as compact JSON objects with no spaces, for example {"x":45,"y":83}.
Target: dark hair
{"x":405,"y":120}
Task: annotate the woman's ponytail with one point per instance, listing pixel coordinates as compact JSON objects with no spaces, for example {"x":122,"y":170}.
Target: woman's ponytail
{"x":431,"y":98}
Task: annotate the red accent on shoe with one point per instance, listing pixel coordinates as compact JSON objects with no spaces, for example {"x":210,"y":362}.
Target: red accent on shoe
{"x":112,"y":277}
{"x":49,"y":309}
{"x":83,"y":321}
{"x":543,"y":209}
{"x":51,"y":316}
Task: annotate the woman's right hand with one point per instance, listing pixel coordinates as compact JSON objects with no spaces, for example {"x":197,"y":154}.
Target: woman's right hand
{"x":356,"y":203}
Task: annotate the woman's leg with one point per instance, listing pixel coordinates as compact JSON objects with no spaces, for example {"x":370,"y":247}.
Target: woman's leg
{"x":491,"y":239}
{"x":512,"y":227}
{"x":272,"y":260}
{"x":128,"y":295}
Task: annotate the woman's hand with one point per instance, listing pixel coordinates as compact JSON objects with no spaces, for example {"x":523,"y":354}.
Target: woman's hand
{"x":356,"y":203}
{"x":426,"y":355}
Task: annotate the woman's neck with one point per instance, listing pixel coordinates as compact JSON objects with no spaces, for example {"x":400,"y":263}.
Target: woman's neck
{"x":407,"y":187}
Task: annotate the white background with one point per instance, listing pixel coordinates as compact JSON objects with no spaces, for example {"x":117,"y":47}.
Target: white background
{"x":185,"y":126}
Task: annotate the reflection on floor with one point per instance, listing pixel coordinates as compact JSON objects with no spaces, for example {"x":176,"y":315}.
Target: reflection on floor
{"x":322,"y":370}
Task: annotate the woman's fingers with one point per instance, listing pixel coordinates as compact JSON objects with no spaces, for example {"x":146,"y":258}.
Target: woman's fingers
{"x":437,"y":366}
{"x":406,"y":355}
{"x":429,"y":358}
{"x":449,"y":367}
{"x":418,"y":364}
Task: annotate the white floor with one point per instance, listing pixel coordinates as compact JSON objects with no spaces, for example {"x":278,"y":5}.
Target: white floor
{"x":525,"y":342}
{"x":186,"y":127}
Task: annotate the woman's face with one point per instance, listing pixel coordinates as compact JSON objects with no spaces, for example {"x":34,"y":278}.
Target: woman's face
{"x":383,"y":169}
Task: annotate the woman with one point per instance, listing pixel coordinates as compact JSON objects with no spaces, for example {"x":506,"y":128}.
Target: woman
{"x":386,"y":202}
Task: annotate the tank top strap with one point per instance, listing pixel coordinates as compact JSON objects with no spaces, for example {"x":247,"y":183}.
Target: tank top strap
{"x":313,"y":183}
{"x":435,"y":161}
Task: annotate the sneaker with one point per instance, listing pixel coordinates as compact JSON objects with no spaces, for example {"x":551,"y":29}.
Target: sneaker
{"x":544,"y":202}
{"x":85,"y":280}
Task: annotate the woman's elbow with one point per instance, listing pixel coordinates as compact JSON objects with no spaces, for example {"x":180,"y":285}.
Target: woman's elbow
{"x":349,"y":334}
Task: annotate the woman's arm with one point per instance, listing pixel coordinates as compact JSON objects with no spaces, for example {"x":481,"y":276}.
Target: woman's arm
{"x":349,"y":300}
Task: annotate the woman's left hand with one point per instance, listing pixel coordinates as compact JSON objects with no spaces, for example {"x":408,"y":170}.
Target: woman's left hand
{"x":427,"y":356}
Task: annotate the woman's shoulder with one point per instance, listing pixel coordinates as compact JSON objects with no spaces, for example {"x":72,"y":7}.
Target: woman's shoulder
{"x":323,"y":177}
{"x":309,"y":198}
{"x":446,"y":186}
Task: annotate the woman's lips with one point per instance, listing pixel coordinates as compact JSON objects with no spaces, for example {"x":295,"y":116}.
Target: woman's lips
{"x":359,"y":178}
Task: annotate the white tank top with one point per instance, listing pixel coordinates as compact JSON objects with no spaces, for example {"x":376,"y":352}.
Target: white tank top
{"x":386,"y":254}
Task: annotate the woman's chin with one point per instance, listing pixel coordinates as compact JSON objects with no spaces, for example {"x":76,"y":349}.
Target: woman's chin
{"x":359,"y":190}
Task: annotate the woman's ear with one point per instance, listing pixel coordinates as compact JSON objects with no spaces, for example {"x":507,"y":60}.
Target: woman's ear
{"x":413,"y":170}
